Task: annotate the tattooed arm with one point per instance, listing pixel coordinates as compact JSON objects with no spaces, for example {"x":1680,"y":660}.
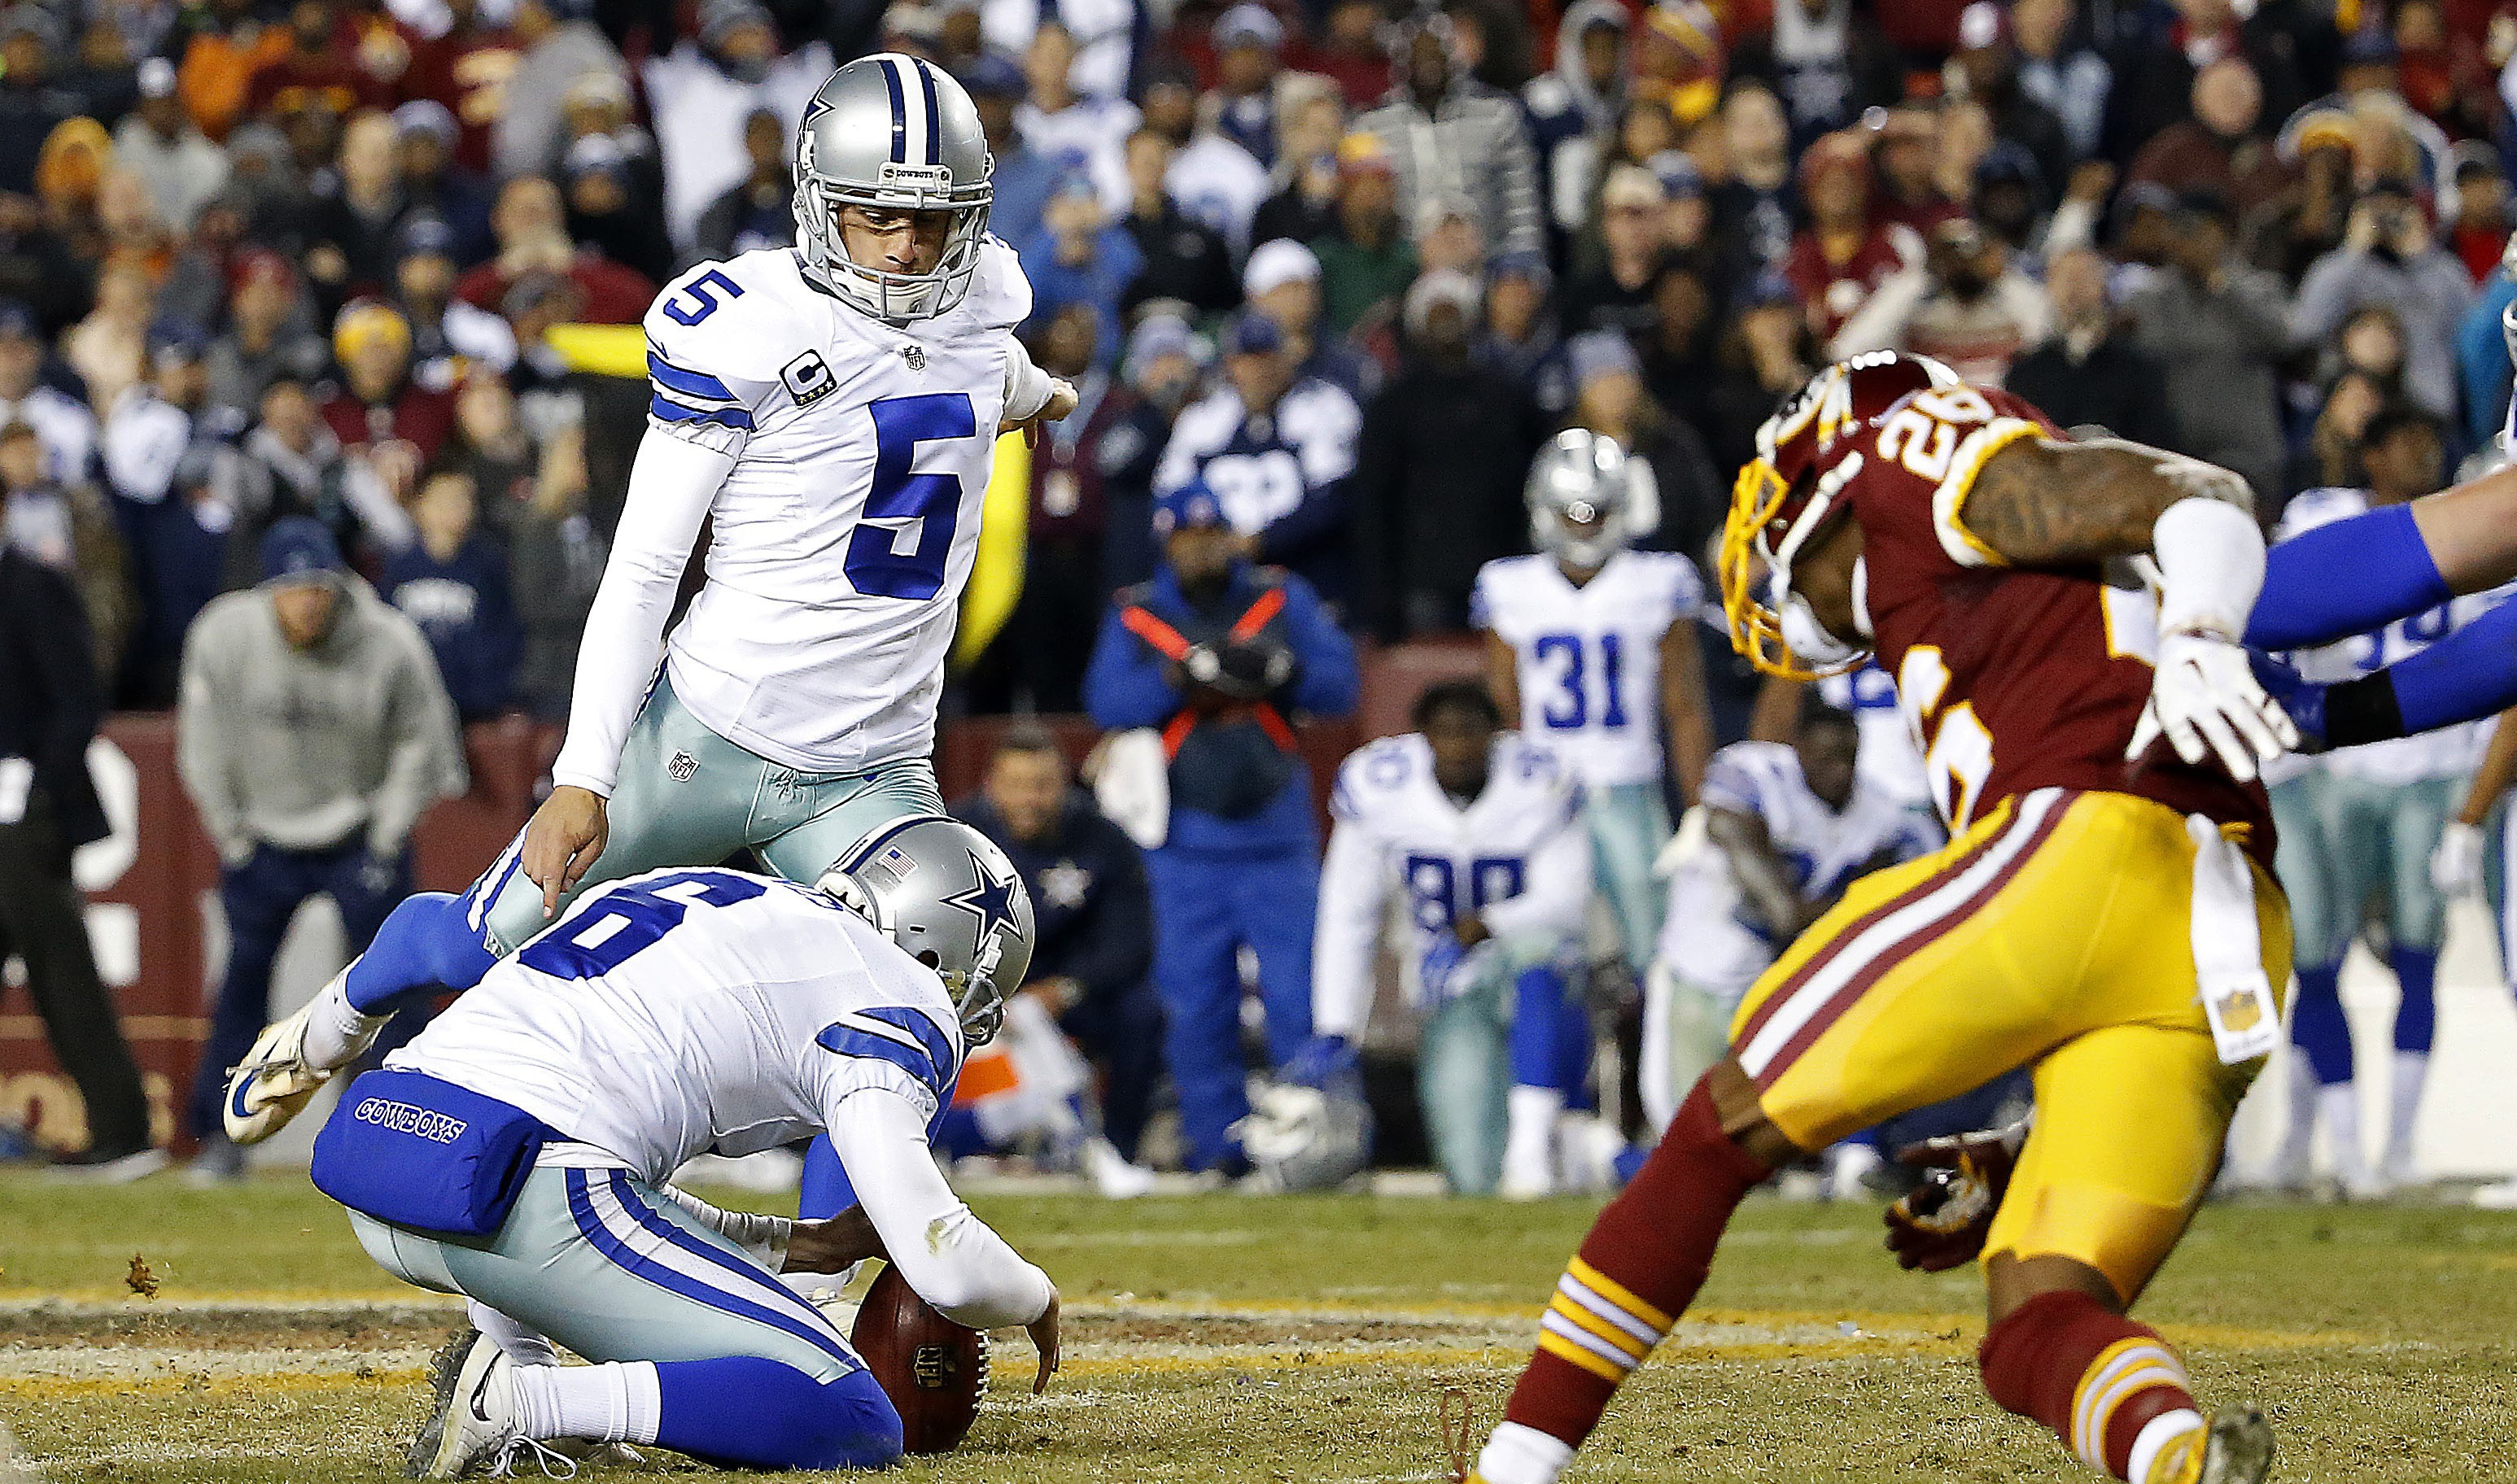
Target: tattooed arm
{"x":2037,"y":503}
{"x":2040,"y":503}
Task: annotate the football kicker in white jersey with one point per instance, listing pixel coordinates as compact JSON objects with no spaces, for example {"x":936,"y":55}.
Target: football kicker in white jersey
{"x":831,"y":411}
{"x":1480,"y":832}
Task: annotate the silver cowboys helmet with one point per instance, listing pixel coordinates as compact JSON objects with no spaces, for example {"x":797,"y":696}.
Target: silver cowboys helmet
{"x":945,"y":894}
{"x":899,"y":134}
{"x":1580,"y":493}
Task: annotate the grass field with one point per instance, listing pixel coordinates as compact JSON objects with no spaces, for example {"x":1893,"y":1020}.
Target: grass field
{"x":1225,"y":1338}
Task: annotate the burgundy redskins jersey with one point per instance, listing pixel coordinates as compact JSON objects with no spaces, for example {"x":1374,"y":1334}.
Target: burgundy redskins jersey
{"x":2012,"y":678}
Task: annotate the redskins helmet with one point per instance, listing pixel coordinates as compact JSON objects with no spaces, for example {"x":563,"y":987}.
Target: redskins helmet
{"x":1781,"y":504}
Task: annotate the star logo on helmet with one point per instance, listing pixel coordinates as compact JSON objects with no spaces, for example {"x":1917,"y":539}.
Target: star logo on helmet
{"x":992,"y":900}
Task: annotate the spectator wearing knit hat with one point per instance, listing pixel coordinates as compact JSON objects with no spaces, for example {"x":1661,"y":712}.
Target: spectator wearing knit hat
{"x":1282,"y":280}
{"x":1248,"y":39}
{"x":266,"y":334}
{"x":1080,"y":256}
{"x":1366,"y":260}
{"x":1124,"y":434}
{"x":1684,"y":503}
{"x":448,"y":336}
{"x":379,"y":407}
{"x":1519,"y":333}
{"x":605,"y":212}
{"x":1276,"y":448}
{"x":1439,"y":468}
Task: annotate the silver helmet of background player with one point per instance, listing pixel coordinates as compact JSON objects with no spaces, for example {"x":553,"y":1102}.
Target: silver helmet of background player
{"x":945,"y":893}
{"x":1580,"y":493}
{"x":897,"y":133}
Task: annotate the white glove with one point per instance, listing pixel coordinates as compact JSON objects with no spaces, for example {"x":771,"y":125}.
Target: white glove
{"x":2204,"y":698}
{"x":2455,"y":865}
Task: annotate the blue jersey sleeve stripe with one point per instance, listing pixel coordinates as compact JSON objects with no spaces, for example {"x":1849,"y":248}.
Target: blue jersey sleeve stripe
{"x":673,"y":378}
{"x":939,"y":1046}
{"x":674,"y":411}
{"x":848,"y":1041}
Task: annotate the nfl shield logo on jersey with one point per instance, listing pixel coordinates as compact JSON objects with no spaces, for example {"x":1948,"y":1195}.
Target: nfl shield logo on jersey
{"x":681,"y":766}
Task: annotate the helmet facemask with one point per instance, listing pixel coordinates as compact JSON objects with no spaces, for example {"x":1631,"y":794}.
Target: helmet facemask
{"x":1773,"y":521}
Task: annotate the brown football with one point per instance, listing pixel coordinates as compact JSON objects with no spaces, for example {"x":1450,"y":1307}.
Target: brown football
{"x":932,"y":1369}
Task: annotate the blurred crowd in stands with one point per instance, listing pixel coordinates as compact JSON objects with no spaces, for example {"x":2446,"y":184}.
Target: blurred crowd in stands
{"x":262,"y":258}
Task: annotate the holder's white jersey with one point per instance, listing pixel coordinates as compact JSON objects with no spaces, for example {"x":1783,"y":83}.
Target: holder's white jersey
{"x":1518,"y":854}
{"x":1590,"y":655}
{"x":1708,"y":936}
{"x":843,"y":532}
{"x":2449,"y":751}
{"x":679,"y":1011}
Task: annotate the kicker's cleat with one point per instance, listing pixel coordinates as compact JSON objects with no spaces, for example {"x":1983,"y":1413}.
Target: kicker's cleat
{"x":2235,"y":1448}
{"x":275,"y":1080}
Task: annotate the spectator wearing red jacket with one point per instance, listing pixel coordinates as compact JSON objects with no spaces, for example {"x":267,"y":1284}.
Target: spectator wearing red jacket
{"x":379,"y":408}
{"x":466,"y":68}
{"x":1843,"y":254}
{"x":321,"y":60}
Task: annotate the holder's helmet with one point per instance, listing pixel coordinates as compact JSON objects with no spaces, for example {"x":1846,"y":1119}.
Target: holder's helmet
{"x":1580,"y":495}
{"x":945,"y":893}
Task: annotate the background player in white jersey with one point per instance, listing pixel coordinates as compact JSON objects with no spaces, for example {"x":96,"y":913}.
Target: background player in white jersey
{"x":2359,"y":827}
{"x":1481,"y":830}
{"x":832,"y":409}
{"x":1787,"y":827}
{"x":1593,"y":646}
{"x":516,"y":1153}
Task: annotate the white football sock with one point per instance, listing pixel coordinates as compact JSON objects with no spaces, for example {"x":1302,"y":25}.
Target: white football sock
{"x":2156,"y":1434}
{"x":523,"y":1345}
{"x":336,"y":1031}
{"x":2298,"y":1145}
{"x":2339,"y":1105}
{"x":615,"y":1402}
{"x":1529,"y":1138}
{"x":1517,"y":1453}
{"x":2411,"y":1071}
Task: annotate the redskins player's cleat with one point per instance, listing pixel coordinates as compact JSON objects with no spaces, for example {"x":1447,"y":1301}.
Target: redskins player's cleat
{"x":2235,"y":1448}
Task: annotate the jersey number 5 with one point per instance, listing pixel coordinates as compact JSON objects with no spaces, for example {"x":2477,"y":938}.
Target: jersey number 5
{"x":899,"y":545}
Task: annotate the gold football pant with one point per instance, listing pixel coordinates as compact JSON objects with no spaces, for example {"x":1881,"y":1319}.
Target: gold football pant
{"x":2056,"y":932}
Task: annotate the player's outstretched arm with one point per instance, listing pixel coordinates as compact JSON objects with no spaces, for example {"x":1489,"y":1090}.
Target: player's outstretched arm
{"x":2469,"y":674}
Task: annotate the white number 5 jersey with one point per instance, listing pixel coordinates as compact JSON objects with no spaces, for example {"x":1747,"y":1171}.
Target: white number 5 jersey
{"x":844,"y":533}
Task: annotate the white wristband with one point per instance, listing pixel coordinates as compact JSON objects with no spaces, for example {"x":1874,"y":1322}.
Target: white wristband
{"x":2211,"y":558}
{"x":1027,"y":386}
